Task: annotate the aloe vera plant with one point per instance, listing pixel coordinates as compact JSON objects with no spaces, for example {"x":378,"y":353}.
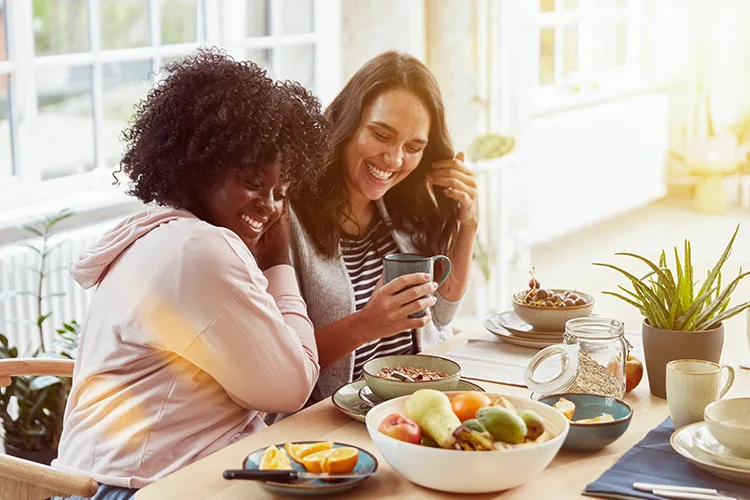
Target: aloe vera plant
{"x":671,"y":299}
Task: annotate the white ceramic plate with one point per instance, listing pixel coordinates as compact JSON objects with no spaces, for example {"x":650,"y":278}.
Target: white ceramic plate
{"x":717,"y":451}
{"x":683,"y":441}
{"x":511,"y":338}
{"x":510,"y":322}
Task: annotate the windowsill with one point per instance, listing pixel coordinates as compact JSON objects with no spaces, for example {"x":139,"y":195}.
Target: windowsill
{"x":90,"y":197}
{"x":556,"y":100}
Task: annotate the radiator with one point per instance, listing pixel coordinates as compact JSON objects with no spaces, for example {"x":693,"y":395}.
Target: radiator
{"x":19,"y":312}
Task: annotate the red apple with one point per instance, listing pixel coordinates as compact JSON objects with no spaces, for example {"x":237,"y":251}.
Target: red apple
{"x":633,"y":373}
{"x":401,"y":427}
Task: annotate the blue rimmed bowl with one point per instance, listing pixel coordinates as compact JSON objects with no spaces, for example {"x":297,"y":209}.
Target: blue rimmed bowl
{"x":366,"y":463}
{"x":593,"y":437}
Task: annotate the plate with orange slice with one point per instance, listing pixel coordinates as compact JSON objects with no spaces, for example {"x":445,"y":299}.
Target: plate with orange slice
{"x":313,"y":456}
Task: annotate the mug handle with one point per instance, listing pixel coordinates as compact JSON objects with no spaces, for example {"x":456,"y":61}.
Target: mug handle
{"x":447,"y":268}
{"x":729,"y":382}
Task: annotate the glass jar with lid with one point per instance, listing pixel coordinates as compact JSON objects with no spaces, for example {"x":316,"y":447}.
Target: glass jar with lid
{"x":591,"y":360}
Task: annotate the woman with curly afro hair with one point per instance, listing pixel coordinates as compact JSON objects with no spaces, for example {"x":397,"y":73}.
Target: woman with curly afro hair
{"x":197,"y":324}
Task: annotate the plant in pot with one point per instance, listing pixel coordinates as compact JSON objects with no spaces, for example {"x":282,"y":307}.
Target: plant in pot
{"x":681,"y":320}
{"x":32,"y":408}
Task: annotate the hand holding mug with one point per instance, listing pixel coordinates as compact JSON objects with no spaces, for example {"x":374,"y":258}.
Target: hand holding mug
{"x":391,"y":306}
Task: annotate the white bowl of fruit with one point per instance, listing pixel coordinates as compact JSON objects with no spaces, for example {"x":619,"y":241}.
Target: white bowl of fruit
{"x":548,"y":309}
{"x":467,"y":442}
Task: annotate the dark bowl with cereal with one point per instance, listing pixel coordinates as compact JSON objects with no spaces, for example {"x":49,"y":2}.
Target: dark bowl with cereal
{"x":428,"y":372}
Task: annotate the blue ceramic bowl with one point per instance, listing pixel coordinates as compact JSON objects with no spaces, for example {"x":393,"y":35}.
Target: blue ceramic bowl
{"x":593,"y":437}
{"x":317,"y":487}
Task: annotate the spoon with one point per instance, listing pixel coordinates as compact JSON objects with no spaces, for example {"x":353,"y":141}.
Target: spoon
{"x":402,"y":376}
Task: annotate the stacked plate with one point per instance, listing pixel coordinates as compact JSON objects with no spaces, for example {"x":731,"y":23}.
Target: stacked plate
{"x":356,"y":399}
{"x":508,"y":327}
{"x":696,"y":443}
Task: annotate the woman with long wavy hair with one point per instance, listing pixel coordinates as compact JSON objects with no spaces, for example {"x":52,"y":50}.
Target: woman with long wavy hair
{"x":392,"y":184}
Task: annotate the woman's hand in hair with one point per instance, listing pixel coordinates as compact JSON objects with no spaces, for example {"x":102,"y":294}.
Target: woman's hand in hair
{"x":387,"y":312}
{"x":273,"y":247}
{"x":459,"y":184}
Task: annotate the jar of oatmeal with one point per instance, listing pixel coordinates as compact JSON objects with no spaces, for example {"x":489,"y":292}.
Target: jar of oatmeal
{"x":591,"y":360}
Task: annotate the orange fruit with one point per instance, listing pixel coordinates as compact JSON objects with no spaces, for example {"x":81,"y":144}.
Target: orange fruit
{"x":466,"y":404}
{"x":316,"y":462}
{"x":341,"y":460}
{"x":274,"y":459}
{"x":298,"y":452}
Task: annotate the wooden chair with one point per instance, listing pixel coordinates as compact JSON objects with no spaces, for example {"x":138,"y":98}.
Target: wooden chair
{"x":25,"y":480}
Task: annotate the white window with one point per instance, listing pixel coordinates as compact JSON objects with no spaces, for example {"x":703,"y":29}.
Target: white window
{"x":585,"y":45}
{"x":71,"y":72}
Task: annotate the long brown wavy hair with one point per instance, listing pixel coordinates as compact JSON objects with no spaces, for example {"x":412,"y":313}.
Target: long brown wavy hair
{"x":433,"y":223}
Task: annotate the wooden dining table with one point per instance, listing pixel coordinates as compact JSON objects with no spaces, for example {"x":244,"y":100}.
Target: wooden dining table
{"x":566,"y":477}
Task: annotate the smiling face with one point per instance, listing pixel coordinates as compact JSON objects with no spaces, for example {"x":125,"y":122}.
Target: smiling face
{"x":246,"y":206}
{"x":387,"y":145}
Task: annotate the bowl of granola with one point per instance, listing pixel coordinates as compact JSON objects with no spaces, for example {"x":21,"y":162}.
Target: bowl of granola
{"x":395,"y":376}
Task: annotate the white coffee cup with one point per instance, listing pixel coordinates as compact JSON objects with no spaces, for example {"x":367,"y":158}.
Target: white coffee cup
{"x":693,"y":384}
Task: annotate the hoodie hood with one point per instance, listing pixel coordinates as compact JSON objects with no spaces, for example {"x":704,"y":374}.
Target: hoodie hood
{"x":92,"y":265}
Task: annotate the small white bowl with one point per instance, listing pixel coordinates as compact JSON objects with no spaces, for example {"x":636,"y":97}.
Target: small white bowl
{"x":729,"y":422}
{"x":468,"y":471}
{"x":552,"y":319}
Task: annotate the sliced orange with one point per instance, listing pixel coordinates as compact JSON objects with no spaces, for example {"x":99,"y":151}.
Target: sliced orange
{"x":298,"y":452}
{"x":341,"y":460}
{"x":316,"y":462}
{"x":274,"y":459}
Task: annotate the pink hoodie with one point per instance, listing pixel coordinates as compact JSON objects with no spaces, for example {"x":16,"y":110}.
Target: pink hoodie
{"x":185,"y":343}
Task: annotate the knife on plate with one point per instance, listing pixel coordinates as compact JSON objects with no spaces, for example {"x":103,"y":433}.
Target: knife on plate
{"x":287,"y":475}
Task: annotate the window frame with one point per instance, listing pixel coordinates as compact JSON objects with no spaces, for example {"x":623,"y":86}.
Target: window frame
{"x":589,"y":79}
{"x":217,"y":25}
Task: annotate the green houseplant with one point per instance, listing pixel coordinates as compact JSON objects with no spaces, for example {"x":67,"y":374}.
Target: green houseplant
{"x":32,"y":408}
{"x":681,"y":319}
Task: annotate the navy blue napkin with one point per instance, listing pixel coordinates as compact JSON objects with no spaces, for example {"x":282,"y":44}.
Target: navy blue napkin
{"x":654,"y":461}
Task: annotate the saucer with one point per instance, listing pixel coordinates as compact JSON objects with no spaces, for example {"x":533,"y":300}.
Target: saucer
{"x":683,"y":441}
{"x":347,"y":399}
{"x":510,"y":322}
{"x":717,"y":451}
{"x":365,"y":463}
{"x":533,"y":343}
{"x":369,"y":398}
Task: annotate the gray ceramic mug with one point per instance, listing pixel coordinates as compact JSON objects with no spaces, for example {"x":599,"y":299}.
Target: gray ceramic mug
{"x":399,"y":264}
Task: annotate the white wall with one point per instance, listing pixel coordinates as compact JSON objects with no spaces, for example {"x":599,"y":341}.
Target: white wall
{"x":592,"y":163}
{"x":369,"y":28}
{"x":442,"y":33}
{"x":451,"y":34}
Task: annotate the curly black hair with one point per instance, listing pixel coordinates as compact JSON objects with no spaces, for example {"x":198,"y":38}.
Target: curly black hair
{"x":212,"y":114}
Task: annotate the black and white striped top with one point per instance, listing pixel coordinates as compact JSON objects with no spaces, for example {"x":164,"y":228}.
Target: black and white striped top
{"x":364,"y":263}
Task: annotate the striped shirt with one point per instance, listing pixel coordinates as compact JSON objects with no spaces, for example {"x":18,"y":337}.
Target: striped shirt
{"x":364,"y":263}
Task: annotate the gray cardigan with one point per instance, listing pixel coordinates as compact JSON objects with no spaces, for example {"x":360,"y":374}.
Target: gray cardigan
{"x":329,"y":295}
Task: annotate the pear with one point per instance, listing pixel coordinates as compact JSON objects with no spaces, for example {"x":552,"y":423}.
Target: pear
{"x":534,"y":424}
{"x":432,"y":411}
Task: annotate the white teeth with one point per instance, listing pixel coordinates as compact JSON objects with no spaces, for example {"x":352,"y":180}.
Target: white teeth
{"x":382,"y":175}
{"x":253,"y":223}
